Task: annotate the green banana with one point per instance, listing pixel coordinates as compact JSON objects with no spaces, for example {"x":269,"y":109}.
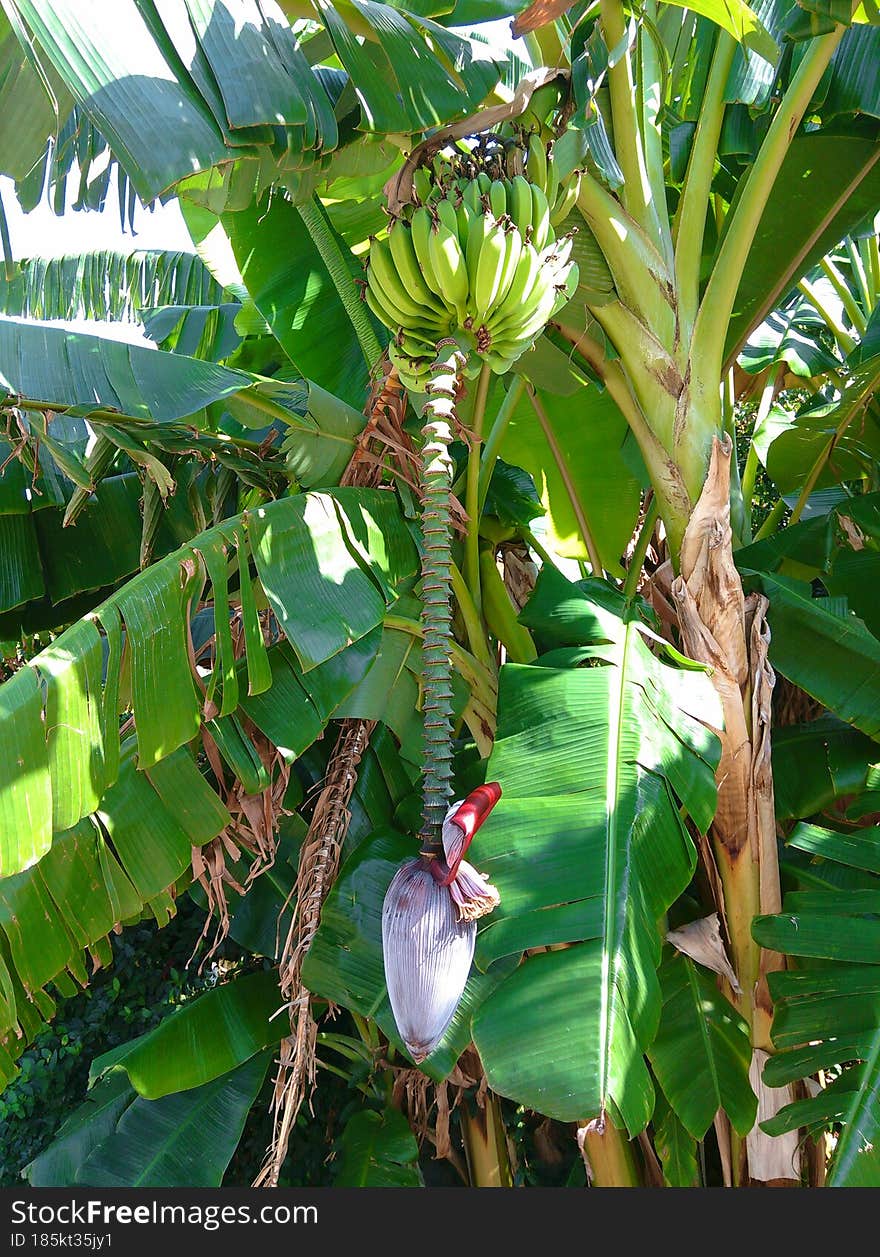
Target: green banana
{"x":470,"y":194}
{"x":565,"y":202}
{"x":520,"y":203}
{"x":521,"y":286}
{"x":422,"y":184}
{"x":463,"y":216}
{"x":386,"y":316}
{"x":536,"y":163}
{"x":498,"y":198}
{"x":484,"y":182}
{"x":485,"y":283}
{"x":449,"y":266}
{"x":541,"y":232}
{"x":404,"y":256}
{"x":422,"y":225}
{"x":383,"y":270}
{"x":446,"y":213}
{"x":512,"y":254}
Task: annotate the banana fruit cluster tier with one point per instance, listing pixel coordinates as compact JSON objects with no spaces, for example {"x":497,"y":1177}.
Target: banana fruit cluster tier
{"x":475,"y":260}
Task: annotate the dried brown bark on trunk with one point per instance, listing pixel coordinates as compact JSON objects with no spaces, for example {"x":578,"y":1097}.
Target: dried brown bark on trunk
{"x":722,"y":628}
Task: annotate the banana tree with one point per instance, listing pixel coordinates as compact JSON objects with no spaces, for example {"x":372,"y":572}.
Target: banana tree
{"x":718,"y":157}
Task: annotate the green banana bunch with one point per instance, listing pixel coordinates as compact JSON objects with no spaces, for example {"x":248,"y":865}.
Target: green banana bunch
{"x":542,"y":170}
{"x":476,"y":261}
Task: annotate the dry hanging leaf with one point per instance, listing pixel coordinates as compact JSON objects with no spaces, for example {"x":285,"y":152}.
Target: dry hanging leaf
{"x":701,"y":940}
{"x":771,"y":1158}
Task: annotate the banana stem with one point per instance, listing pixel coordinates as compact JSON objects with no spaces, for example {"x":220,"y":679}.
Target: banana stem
{"x":493,"y":441}
{"x":750,"y":471}
{"x":637,"y":561}
{"x":332,"y":257}
{"x":471,"y":501}
{"x":469,"y":614}
{"x":848,"y":301}
{"x":485,"y":1145}
{"x":542,"y":552}
{"x":769,"y":525}
{"x":608,"y":1155}
{"x":436,"y":484}
{"x":846,"y":342}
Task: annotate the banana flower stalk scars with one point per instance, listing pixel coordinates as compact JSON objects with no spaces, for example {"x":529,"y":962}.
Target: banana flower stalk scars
{"x":429,"y":927}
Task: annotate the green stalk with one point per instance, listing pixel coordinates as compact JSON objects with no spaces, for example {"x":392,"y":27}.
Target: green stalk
{"x":650,"y":89}
{"x":640,"y":274}
{"x":634,"y":571}
{"x":500,"y":615}
{"x":858,"y":267}
{"x":713,"y":318}
{"x":471,"y":500}
{"x":493,"y":441}
{"x":636,"y":191}
{"x":485,"y":1144}
{"x":842,"y":288}
{"x":333,"y":258}
{"x":609,"y":1156}
{"x":768,"y":528}
{"x":690,"y":218}
{"x":750,"y":471}
{"x":570,"y":488}
{"x":471,"y":617}
{"x":846,"y":342}
{"x":543,"y":554}
{"x":655,"y":378}
{"x":874,"y":257}
{"x":436,"y":482}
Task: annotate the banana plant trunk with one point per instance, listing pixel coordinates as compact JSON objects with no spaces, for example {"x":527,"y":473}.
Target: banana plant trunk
{"x":730,"y":632}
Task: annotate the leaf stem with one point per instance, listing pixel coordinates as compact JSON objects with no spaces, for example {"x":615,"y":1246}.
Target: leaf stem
{"x":470,"y":616}
{"x":842,"y":288}
{"x":716,"y":307}
{"x":493,"y":441}
{"x":634,"y":571}
{"x":769,"y":525}
{"x":636,"y":191}
{"x":690,"y":218}
{"x":846,"y":342}
{"x":333,"y":258}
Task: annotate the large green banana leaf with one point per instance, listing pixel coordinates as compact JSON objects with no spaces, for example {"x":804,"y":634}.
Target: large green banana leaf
{"x":841,"y":549}
{"x":191,"y":85}
{"x":598,"y":746}
{"x":187,"y":1137}
{"x":582,"y":463}
{"x":701,"y":1035}
{"x":106,"y":285}
{"x":816,"y":762}
{"x":88,"y":839}
{"x":378,"y":1150}
{"x":826,"y":1018}
{"x":328,"y":567}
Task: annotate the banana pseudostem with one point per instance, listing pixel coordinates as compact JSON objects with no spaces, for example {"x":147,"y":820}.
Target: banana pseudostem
{"x":437,"y":471}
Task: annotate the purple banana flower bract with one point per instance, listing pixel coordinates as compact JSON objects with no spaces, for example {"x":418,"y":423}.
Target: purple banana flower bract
{"x":427,"y":953}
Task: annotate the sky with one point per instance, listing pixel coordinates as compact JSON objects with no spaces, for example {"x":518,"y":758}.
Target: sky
{"x":42,"y":233}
